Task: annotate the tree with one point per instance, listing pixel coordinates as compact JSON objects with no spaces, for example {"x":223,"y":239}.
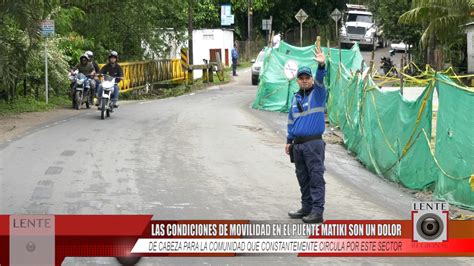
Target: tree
{"x":442,"y":18}
{"x":19,"y":40}
{"x":387,"y":14}
{"x":442,"y":22}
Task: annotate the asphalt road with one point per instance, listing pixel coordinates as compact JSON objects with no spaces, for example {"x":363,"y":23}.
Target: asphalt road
{"x":205,"y":155}
{"x":379,"y":53}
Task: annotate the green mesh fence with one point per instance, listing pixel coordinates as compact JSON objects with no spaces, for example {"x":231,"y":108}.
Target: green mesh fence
{"x":455,"y":143}
{"x":389,"y":134}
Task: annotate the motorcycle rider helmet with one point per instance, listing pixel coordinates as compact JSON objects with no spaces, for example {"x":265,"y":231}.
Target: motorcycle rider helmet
{"x":89,"y":54}
{"x":84,"y":56}
{"x":113,"y":54}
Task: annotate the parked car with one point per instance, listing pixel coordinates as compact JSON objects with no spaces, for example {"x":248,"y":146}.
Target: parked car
{"x":399,"y":46}
{"x":257,"y":66}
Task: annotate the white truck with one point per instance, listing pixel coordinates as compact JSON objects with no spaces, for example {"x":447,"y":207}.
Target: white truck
{"x":359,"y":26}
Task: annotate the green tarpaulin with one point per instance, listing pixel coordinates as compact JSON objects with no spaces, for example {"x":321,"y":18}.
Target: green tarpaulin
{"x":389,"y":134}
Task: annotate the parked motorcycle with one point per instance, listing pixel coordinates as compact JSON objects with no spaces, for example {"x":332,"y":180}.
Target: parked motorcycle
{"x":81,"y":92}
{"x":106,"y":104}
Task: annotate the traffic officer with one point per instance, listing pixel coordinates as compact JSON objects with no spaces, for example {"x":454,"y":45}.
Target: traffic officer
{"x":305,"y":129}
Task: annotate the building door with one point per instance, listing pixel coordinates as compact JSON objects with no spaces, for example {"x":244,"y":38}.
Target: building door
{"x":212,"y":54}
{"x":226,"y":57}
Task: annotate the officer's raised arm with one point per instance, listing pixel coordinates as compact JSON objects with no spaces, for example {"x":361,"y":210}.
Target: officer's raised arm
{"x":321,"y":59}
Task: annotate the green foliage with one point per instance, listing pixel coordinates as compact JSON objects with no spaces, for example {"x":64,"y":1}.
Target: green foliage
{"x":387,"y":13}
{"x":442,"y":18}
{"x":30,"y":104}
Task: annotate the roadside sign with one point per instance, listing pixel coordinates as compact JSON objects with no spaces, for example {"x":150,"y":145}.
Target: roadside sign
{"x":266,"y":24}
{"x":227,"y":18}
{"x":336,"y":15}
{"x":184,"y":58}
{"x":47,"y":27}
{"x":290,"y":69}
{"x":301,"y":16}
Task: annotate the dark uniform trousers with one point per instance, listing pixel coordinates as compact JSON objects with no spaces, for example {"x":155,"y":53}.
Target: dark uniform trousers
{"x":309,"y":162}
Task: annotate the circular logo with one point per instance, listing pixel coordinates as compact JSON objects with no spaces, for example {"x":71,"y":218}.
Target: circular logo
{"x":291,"y":68}
{"x":429,"y":226}
{"x":30,"y":246}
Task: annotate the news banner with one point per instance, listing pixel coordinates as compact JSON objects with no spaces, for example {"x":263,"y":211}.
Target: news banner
{"x":52,"y":238}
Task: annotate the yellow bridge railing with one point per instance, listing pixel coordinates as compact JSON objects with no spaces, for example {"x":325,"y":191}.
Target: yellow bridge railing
{"x":137,"y":75}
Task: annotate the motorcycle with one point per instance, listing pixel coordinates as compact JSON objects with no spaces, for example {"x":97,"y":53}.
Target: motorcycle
{"x":82,"y":92}
{"x":386,"y":64}
{"x":106,"y":104}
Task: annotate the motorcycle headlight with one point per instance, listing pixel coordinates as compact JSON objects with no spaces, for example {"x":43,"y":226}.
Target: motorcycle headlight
{"x":80,"y":81}
{"x":107,"y":84}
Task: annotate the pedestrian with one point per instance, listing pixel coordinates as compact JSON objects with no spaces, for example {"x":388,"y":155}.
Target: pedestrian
{"x":235,"y":57}
{"x":304,"y":142}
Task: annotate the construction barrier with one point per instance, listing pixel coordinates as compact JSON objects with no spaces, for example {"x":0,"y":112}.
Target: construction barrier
{"x":389,"y":134}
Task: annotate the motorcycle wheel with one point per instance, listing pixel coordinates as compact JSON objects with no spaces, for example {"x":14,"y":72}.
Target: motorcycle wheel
{"x":102,"y":108}
{"x":78,"y":100}
{"x":89,"y":101}
{"x":128,"y":260}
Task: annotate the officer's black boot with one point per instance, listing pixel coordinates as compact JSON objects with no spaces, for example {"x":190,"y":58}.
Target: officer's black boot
{"x":297,"y":214}
{"x":313,"y":218}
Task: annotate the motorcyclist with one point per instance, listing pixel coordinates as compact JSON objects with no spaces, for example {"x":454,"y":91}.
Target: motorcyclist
{"x":84,"y":67}
{"x":386,"y":64}
{"x":90,"y":55}
{"x":113,"y":69}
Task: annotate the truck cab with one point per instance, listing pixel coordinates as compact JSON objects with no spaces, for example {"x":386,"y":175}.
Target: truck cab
{"x":359,"y":26}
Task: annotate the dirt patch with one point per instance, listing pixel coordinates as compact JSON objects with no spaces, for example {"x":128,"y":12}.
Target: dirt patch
{"x":15,"y":125}
{"x":332,"y":138}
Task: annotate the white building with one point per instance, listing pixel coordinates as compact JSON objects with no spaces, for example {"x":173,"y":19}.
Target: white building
{"x":469,"y":29}
{"x":206,"y":42}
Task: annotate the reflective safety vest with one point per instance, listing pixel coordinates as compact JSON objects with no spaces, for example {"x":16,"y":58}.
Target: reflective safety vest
{"x":306,"y":115}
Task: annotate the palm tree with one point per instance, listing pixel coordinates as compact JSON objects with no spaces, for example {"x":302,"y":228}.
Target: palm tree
{"x":442,"y":21}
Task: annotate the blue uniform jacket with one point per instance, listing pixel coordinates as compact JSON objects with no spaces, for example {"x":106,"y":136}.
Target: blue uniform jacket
{"x":311,"y":121}
{"x":234,"y":54}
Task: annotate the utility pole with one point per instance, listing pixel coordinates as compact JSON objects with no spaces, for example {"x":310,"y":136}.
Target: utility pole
{"x":190,"y":41}
{"x":249,"y":22}
{"x":249,"y":30}
{"x":46,"y":69}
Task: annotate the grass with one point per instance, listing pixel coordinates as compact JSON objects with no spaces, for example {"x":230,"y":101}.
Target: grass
{"x":30,"y":104}
{"x":245,"y":64}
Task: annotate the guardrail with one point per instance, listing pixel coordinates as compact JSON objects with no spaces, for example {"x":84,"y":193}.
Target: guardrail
{"x":137,"y":75}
